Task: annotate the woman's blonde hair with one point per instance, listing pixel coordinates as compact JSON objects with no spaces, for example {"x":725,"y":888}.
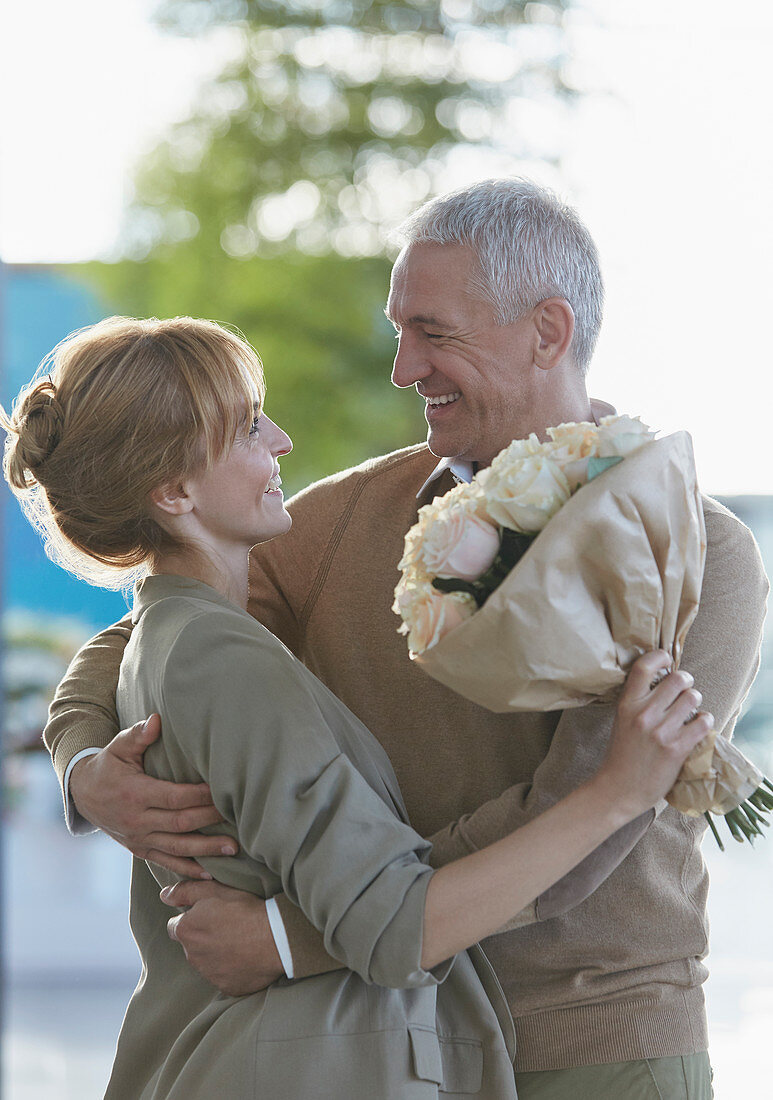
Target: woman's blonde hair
{"x":117,"y":410}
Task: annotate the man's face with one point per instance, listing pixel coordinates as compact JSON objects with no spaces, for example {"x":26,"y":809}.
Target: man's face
{"x":476,"y":377}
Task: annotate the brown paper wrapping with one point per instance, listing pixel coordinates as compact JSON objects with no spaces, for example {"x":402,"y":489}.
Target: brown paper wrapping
{"x":616,"y":573}
{"x":715,"y":777}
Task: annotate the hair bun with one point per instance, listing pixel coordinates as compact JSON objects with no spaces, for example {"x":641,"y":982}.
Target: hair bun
{"x":38,"y":423}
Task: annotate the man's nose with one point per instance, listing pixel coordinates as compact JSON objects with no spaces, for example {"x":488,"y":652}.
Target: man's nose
{"x":409,"y":366}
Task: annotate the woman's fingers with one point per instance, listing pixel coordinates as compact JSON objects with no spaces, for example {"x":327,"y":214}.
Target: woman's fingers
{"x":693,"y":731}
{"x":673,"y":693}
{"x":646,"y":673}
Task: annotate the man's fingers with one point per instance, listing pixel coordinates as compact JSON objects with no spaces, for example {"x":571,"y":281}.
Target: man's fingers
{"x":182,"y":796}
{"x":191,"y":845}
{"x":187,"y":893}
{"x":171,"y":927}
{"x":181,"y":821}
{"x":172,"y":807}
{"x":188,"y":868}
{"x":130,"y":744}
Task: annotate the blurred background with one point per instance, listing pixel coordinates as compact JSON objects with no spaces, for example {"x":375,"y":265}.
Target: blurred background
{"x":244,"y":160}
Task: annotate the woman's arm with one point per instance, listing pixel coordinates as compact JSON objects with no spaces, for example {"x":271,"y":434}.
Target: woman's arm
{"x":301,"y":808}
{"x":654,"y":732}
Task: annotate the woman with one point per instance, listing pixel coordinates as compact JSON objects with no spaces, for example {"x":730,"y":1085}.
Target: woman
{"x":146,"y":449}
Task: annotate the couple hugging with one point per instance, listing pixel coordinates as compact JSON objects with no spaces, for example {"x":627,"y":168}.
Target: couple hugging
{"x":303,"y":758}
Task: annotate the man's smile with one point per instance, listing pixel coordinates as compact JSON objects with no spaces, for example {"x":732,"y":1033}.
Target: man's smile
{"x":436,"y":404}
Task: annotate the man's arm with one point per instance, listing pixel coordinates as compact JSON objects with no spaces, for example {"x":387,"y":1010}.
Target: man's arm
{"x":109,"y":789}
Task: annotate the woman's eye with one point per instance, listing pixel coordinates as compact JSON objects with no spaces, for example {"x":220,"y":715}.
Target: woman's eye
{"x":255,"y":426}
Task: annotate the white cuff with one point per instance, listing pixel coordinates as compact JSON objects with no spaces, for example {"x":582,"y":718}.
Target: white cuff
{"x":75,"y":823}
{"x":277,"y":926}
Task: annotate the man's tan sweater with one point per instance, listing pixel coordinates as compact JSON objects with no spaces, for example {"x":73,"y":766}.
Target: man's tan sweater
{"x":618,"y":975}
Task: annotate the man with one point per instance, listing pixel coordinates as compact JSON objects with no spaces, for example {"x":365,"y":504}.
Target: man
{"x":496,"y":301}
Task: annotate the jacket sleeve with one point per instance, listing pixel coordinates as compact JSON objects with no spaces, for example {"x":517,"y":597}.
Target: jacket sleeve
{"x":722,"y":653}
{"x":82,"y":714}
{"x":244,"y":714}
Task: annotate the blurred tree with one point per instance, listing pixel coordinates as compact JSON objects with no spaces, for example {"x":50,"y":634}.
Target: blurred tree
{"x":332,"y":119}
{"x":329,"y":121}
{"x":319,"y":327}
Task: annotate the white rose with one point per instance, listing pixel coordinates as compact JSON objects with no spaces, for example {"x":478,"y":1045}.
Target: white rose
{"x":519,"y":448}
{"x":429,"y":615}
{"x":459,"y":543}
{"x":467,"y":495}
{"x":525,"y":494}
{"x":571,"y":445}
{"x":621,"y":435}
{"x":466,"y":498}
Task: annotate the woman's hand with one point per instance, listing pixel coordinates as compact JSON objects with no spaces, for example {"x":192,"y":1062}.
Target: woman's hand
{"x":657,"y":725}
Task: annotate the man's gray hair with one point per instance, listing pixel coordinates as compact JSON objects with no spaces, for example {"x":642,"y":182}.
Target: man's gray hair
{"x":530,"y":246}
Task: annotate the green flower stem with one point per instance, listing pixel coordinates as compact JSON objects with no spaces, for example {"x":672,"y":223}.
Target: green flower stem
{"x":713,"y":828}
{"x":745,"y":820}
{"x":761,"y":800}
{"x":734,"y":827}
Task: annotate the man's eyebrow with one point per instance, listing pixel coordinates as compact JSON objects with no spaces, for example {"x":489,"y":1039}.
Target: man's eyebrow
{"x":420,"y":319}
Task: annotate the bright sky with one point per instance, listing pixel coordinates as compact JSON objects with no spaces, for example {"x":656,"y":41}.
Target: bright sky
{"x":669,"y":161}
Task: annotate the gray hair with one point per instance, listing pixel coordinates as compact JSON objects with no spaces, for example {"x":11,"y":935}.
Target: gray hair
{"x":530,"y":246}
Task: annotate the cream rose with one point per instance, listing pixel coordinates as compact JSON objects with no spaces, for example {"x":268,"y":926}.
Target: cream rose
{"x":459,"y":544}
{"x":622,"y":435}
{"x":571,"y":446}
{"x":573,"y":441}
{"x":524,"y":494}
{"x":519,"y":448}
{"x":428,"y":615}
{"x":466,"y":499}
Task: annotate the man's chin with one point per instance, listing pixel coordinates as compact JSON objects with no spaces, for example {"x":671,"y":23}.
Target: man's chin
{"x":443,"y":446}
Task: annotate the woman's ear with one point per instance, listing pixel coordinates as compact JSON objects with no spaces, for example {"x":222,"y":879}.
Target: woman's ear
{"x":171,"y":498}
{"x":554,"y":321}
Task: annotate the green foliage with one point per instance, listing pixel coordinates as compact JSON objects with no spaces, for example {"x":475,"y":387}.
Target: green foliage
{"x":332,"y":119}
{"x":319,"y":327}
{"x":329,"y":121}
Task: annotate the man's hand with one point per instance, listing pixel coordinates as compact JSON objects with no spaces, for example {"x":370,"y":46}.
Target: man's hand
{"x":154,"y":819}
{"x":225,"y":935}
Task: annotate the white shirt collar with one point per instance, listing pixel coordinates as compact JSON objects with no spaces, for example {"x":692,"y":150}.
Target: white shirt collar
{"x":461,"y":469}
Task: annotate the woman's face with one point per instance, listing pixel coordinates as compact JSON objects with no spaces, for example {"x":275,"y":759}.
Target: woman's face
{"x":237,"y":502}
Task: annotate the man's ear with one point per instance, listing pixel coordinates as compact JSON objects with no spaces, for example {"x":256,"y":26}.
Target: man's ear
{"x":171,"y":498}
{"x":554,"y":323}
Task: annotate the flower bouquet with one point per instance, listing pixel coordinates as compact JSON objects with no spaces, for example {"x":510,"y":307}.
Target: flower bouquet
{"x":616,"y":572}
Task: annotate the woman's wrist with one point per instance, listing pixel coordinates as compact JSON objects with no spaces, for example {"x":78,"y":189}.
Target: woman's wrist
{"x":614,"y":803}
